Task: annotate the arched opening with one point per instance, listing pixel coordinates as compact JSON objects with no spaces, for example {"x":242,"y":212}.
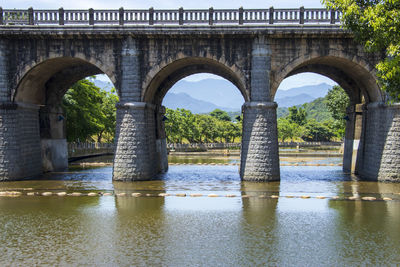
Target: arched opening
{"x":203,"y":118}
{"x":41,"y":89}
{"x":157,"y":85}
{"x":358,"y":81}
{"x":172,"y":78}
{"x":311,"y":120}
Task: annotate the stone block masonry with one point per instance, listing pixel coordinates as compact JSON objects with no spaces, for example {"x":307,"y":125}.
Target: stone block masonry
{"x":38,"y":63}
{"x":135,"y":154}
{"x":260,"y":155}
{"x":4,"y":94}
{"x":381,"y":144}
{"x":20,"y":151}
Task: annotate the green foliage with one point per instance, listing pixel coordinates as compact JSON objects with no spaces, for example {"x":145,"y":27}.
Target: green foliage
{"x":320,"y":120}
{"x":183,"y":126}
{"x":220,"y":115}
{"x":288,"y":129}
{"x":317,"y":110}
{"x":376,"y":24}
{"x":337,"y":101}
{"x":90,"y":113}
{"x":297,"y":115}
{"x":234,"y":114}
{"x":316,"y":131}
{"x":282,"y":112}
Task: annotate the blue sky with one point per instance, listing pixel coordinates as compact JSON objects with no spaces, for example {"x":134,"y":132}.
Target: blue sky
{"x":294,"y":81}
{"x":161,"y":4}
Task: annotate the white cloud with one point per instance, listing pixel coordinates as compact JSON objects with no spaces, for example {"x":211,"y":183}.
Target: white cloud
{"x":202,"y":76}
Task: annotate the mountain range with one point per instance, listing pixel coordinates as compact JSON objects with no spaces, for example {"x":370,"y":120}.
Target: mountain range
{"x":208,"y":94}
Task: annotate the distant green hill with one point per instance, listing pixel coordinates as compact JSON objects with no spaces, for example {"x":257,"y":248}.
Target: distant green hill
{"x":316,"y":109}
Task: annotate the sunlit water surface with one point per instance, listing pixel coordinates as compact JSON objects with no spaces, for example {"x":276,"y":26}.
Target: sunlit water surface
{"x":220,"y":231}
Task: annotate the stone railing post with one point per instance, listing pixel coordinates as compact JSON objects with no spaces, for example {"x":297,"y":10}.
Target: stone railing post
{"x":302,"y":15}
{"x":30,"y":16}
{"x":91,"y":16}
{"x":333,"y":14}
{"x":121,"y":16}
{"x":241,"y":16}
{"x":1,"y":16}
{"x":151,"y":16}
{"x":210,"y":16}
{"x":61,"y":16}
{"x":271,"y":15}
{"x":181,"y":16}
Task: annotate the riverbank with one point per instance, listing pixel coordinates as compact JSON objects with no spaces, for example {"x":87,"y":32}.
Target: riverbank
{"x":288,"y":157}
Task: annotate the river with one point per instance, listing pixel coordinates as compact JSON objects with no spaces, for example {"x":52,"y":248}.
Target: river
{"x":306,"y":219}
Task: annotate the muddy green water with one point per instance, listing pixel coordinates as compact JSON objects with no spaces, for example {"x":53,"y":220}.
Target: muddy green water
{"x":192,"y":231}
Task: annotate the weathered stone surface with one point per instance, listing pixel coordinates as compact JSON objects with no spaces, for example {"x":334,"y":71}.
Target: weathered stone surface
{"x":135,"y":154}
{"x":381,"y":142}
{"x":38,"y":64}
{"x":19,"y":147}
{"x":259,"y":156}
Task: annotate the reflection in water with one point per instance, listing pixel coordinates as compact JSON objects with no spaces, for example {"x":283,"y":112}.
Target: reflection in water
{"x":175,"y":231}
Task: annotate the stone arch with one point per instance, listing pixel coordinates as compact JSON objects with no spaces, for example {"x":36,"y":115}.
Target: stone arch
{"x":41,"y":85}
{"x":161,"y":78}
{"x":353,"y":73}
{"x":39,"y":82}
{"x":358,"y":78}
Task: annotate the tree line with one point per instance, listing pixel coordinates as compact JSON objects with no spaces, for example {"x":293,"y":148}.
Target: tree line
{"x":306,"y":123}
{"x":91,"y":117}
{"x":182,"y":125}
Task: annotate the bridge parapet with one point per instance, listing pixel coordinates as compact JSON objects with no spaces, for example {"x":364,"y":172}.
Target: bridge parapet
{"x":180,"y":16}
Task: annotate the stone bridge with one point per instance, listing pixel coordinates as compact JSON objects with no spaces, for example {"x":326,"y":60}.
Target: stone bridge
{"x":145,"y":52}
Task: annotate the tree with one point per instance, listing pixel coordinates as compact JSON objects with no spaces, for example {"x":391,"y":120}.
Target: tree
{"x":376,"y":24}
{"x":90,"y":112}
{"x":297,"y":115}
{"x":207,"y":128}
{"x":337,"y":101}
{"x":109,"y":100}
{"x":288,"y":130}
{"x":82,"y":105}
{"x":316,"y":131}
{"x":172,"y":126}
{"x":229,"y":130}
{"x":220,"y":115}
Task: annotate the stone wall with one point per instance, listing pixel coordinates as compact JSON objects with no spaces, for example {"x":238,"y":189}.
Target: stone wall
{"x":20,"y":151}
{"x":259,"y":156}
{"x":135,"y":154}
{"x":381,"y":143}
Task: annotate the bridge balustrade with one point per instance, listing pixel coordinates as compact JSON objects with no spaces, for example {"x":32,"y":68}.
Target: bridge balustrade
{"x":164,"y":17}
